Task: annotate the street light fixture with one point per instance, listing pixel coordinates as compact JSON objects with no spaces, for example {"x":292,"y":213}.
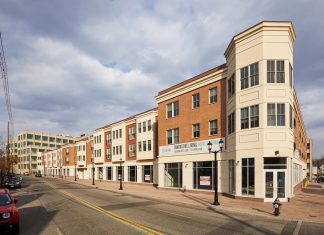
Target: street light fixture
{"x":120,"y":175}
{"x":221,"y":145}
{"x":53,"y":164}
{"x":93,"y":171}
{"x":75,"y":170}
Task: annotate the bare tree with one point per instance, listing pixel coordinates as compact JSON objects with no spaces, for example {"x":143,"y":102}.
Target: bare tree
{"x":3,"y":162}
{"x":318,"y":163}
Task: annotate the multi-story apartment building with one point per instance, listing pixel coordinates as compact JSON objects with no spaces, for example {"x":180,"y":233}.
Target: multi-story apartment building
{"x":29,"y":143}
{"x":126,"y":149}
{"x":83,"y":156}
{"x":251,"y":104}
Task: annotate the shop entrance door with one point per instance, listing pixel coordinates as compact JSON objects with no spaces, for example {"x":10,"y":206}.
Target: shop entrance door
{"x":275,"y":185}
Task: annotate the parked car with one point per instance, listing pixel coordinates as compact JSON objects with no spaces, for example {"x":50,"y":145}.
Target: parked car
{"x":19,"y":177}
{"x":38,"y":175}
{"x":13,"y":183}
{"x":9,"y":217}
{"x":26,"y":173}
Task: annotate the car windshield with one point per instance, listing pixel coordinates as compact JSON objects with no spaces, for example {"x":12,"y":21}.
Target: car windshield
{"x":5,"y":200}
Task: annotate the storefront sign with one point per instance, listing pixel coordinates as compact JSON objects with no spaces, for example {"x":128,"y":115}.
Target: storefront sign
{"x":204,"y":180}
{"x":189,"y":148}
{"x":147,"y":178}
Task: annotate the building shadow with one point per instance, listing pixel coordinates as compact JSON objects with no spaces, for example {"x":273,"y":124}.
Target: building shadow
{"x":236,"y":223}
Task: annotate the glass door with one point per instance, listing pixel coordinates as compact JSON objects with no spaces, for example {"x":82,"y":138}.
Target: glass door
{"x":269,"y":189}
{"x":275,"y":185}
{"x":281,"y":184}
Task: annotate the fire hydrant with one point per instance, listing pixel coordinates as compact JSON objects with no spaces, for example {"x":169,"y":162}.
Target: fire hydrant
{"x":276,"y":205}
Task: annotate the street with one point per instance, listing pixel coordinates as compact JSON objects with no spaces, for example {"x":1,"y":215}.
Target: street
{"x":53,"y":206}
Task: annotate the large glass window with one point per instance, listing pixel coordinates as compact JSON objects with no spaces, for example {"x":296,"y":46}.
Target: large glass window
{"x":271,"y":71}
{"x":244,"y":118}
{"x":231,"y":123}
{"x":149,"y":145}
{"x":100,"y":173}
{"x":172,"y":109}
{"x":248,"y":185}
{"x":131,"y":134}
{"x":195,"y":100}
{"x":254,"y":116}
{"x":276,"y":114}
{"x":173,"y":136}
{"x":213,"y":95}
{"x":149,"y":125}
{"x":131,"y":149}
{"x":280,"y":71}
{"x":148,"y":174}
{"x":132,"y":173}
{"x":231,"y":86}
{"x":109,"y":173}
{"x":281,"y":115}
{"x":173,"y":175}
{"x":275,"y":163}
{"x":271,"y":110}
{"x":196,"y":130}
{"x":231,"y":176}
{"x":276,"y":71}
{"x":254,"y":74}
{"x":30,"y":136}
{"x":144,"y":126}
{"x":244,"y":77}
{"x":213,"y":127}
{"x":203,"y":173}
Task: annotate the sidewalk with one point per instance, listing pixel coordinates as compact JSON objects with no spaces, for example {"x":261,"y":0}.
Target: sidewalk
{"x":307,"y":205}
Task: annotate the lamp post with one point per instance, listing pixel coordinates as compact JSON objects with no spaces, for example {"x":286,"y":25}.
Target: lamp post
{"x":43,"y":160}
{"x":53,"y":164}
{"x":93,"y":171}
{"x":120,"y":175}
{"x":75,"y":170}
{"x":221,"y":144}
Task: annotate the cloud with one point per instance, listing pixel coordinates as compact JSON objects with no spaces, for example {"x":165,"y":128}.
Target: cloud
{"x":86,"y":64}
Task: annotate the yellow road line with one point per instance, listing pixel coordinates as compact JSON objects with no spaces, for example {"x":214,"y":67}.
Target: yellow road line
{"x":133,"y":224}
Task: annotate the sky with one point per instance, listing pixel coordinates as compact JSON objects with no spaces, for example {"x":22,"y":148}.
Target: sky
{"x":77,"y":65}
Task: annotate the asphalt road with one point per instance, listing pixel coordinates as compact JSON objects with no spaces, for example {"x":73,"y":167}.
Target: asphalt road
{"x":52,"y":206}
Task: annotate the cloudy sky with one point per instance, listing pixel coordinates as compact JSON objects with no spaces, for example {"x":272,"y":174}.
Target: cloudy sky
{"x":76,"y":65}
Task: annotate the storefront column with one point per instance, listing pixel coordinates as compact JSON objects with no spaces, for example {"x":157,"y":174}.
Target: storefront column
{"x":161,"y":174}
{"x":140,"y":174}
{"x":187,"y":178}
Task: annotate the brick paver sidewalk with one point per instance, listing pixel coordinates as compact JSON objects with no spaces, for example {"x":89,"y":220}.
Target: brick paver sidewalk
{"x":307,"y":205}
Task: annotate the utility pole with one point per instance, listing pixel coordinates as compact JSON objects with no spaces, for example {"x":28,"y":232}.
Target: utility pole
{"x":8,"y":153}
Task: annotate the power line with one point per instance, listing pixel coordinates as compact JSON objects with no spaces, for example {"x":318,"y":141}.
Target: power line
{"x":4,"y":76}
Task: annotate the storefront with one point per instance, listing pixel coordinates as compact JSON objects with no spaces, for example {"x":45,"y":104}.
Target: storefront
{"x":189,"y":165}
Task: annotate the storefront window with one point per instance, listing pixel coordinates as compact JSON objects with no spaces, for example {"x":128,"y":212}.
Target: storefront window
{"x":148,"y":174}
{"x":248,"y":185}
{"x":100,"y":173}
{"x":173,"y":175}
{"x":109,"y":173}
{"x":120,"y":173}
{"x":275,"y":163}
{"x":203,"y":173}
{"x":231,"y":176}
{"x":132,"y":176}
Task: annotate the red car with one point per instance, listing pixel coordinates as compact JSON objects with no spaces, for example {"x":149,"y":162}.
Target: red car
{"x":9,"y":218}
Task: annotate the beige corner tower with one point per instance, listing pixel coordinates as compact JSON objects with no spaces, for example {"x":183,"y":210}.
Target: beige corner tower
{"x":261,"y":105}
